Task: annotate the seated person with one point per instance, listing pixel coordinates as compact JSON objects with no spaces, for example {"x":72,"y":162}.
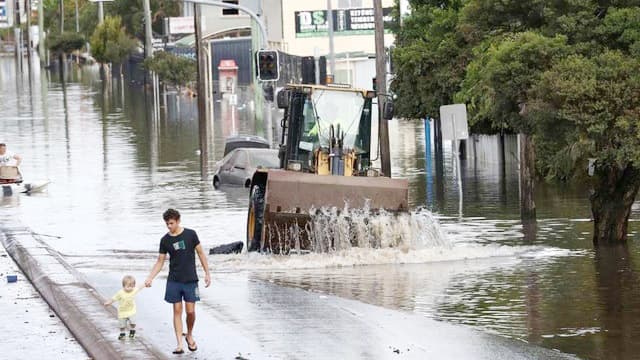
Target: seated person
{"x":7,"y":158}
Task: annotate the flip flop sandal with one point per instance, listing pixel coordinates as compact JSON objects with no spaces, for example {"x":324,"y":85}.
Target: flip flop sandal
{"x":178,"y":352}
{"x":189,"y":345}
{"x":192,"y":348}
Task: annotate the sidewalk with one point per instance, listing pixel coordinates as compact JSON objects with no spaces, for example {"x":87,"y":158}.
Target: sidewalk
{"x":27,"y":323}
{"x":77,"y":304}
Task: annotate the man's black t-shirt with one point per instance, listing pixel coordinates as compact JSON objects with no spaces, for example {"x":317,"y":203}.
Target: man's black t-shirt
{"x":182,"y":255}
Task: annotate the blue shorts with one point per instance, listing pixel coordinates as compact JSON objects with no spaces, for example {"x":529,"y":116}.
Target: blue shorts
{"x":177,"y":291}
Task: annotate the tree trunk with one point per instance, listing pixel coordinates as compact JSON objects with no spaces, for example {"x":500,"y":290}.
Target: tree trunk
{"x":527,"y":178}
{"x":614,"y":193}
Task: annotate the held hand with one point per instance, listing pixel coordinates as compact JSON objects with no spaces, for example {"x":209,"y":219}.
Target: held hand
{"x":147,"y":282}
{"x":207,"y":280}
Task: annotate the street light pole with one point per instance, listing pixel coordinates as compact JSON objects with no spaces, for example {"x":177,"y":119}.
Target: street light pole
{"x":332,"y":56}
{"x":381,"y":84}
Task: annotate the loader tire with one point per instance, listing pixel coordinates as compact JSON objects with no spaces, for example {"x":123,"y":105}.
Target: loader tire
{"x":255,"y":219}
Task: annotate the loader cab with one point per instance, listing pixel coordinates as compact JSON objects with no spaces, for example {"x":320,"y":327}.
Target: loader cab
{"x":326,"y":130}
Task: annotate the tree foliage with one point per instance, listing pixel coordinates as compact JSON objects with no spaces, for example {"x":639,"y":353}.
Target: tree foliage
{"x":565,"y":72}
{"x":430,"y":58}
{"x":497,"y":81}
{"x":130,"y":11}
{"x":173,"y":69}
{"x":110,"y":43}
{"x":132,"y":14}
{"x":589,"y":108}
{"x":66,"y":42}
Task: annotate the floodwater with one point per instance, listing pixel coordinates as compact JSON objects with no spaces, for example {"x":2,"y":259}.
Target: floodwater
{"x":115,"y":167}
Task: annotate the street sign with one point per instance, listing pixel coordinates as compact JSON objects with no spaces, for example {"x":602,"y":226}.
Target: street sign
{"x":453,"y":119}
{"x":181,"y":25}
{"x":360,"y":21}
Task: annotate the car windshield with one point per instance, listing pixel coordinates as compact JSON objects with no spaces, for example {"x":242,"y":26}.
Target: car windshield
{"x":342,"y":109}
{"x":267,"y":159}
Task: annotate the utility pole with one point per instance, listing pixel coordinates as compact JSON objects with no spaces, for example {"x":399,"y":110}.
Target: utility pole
{"x":41,"y":53}
{"x":381,"y":83}
{"x":77,"y":20}
{"x":61,"y":16}
{"x":148,"y":45}
{"x":202,"y":95}
{"x":28,"y":12}
{"x":332,"y":56}
{"x":100,"y":12}
{"x":18,"y":36}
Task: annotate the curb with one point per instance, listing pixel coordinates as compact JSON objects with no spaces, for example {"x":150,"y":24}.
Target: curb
{"x":74,"y":301}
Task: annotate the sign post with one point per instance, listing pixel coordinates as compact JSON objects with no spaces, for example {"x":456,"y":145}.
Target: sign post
{"x":455,"y":127}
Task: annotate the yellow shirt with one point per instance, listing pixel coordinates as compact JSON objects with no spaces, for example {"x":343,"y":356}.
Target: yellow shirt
{"x":126,"y":302}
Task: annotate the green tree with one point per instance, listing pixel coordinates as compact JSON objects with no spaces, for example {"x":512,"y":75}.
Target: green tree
{"x":589,"y":108}
{"x":65,"y":43}
{"x":131,"y":12}
{"x":431,"y":58}
{"x":172,"y":69}
{"x":110,"y":43}
{"x":498,"y":80}
{"x":500,"y":57}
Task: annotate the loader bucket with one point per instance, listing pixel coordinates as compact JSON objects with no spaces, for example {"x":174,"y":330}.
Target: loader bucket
{"x":290,"y":197}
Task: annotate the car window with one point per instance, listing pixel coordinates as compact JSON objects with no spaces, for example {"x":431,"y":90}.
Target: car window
{"x":240,"y":160}
{"x":227,"y":161}
{"x":267,"y":159}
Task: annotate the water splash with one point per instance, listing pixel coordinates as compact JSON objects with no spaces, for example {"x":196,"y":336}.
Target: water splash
{"x":333,"y":229}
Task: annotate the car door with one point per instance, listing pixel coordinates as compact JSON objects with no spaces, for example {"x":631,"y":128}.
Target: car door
{"x":240,"y":163}
{"x":224,"y":173}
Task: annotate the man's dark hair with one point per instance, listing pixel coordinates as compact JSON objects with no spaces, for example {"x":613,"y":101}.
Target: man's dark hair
{"x":171,"y":214}
{"x":2,"y":144}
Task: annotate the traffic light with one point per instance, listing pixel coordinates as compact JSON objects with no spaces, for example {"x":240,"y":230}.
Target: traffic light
{"x":267,"y":65}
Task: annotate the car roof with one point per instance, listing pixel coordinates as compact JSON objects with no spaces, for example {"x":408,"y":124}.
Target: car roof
{"x":250,"y":138}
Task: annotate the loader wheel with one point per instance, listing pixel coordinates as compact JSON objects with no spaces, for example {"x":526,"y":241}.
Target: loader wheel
{"x":255,"y":218}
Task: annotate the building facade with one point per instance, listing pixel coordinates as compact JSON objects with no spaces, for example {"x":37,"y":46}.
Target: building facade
{"x":305,"y":26}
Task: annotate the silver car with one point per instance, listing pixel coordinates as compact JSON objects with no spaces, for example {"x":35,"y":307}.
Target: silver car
{"x":238,"y":166}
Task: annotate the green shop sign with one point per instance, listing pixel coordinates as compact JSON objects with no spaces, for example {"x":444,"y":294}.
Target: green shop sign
{"x":345,"y":22}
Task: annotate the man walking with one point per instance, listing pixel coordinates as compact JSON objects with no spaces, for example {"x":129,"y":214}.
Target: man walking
{"x":182,"y":283}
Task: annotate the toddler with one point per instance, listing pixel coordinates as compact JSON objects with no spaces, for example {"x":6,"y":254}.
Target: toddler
{"x":126,"y":299}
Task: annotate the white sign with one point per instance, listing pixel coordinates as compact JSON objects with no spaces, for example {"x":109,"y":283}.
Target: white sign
{"x":181,"y":25}
{"x":3,"y":11}
{"x":453,"y":119}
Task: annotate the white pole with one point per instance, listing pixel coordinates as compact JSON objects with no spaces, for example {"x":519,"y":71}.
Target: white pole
{"x":457,"y":161}
{"x":332,"y":57}
{"x":100,"y":13}
{"x":210,"y":75}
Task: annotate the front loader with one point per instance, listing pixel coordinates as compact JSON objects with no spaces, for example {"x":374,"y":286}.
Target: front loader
{"x":325,"y":163}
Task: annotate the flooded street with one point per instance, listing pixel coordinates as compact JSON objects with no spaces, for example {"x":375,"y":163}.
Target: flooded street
{"x":114,"y":170}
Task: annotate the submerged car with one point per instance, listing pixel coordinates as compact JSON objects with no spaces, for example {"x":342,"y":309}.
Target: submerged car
{"x":244,"y":141}
{"x":238,"y":167}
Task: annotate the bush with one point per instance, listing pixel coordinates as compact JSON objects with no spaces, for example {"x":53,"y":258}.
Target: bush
{"x":173,"y":69}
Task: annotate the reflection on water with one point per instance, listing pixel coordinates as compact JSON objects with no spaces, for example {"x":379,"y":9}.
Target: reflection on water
{"x":115,"y":169}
